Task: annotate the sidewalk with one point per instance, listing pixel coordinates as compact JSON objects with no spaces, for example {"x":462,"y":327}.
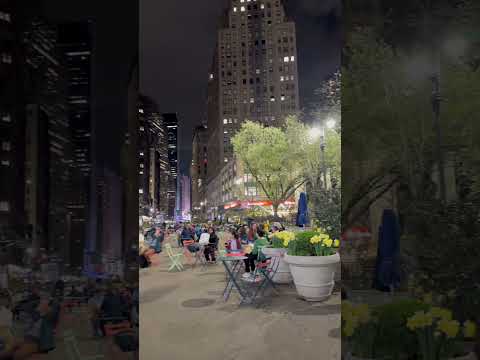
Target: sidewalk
{"x":183,"y":315}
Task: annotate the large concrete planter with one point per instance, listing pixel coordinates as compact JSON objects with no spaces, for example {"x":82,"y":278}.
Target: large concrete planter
{"x":314,"y":276}
{"x":283,"y":275}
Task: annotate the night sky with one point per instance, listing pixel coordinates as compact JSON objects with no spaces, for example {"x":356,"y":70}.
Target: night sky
{"x":177,"y":40}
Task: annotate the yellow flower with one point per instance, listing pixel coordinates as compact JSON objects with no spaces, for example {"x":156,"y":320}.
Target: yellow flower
{"x":449,"y":327}
{"x":440,"y":313}
{"x":336,"y":243}
{"x":419,"y":320}
{"x":328,"y":242}
{"x":428,"y":298}
{"x":469,"y":329}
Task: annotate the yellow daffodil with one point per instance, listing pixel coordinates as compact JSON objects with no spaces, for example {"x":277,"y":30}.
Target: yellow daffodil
{"x":440,"y":313}
{"x":336,"y":243}
{"x":449,"y":327}
{"x":420,"y":320}
{"x":428,"y":298}
{"x":328,"y":242}
{"x":469,"y":329}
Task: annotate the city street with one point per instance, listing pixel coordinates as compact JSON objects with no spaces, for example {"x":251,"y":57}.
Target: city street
{"x":184,"y":315}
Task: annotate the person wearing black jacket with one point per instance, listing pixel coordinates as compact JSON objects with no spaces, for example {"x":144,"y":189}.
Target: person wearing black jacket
{"x":212,"y":245}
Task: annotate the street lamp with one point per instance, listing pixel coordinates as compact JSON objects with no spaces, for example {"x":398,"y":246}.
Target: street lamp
{"x":320,"y":132}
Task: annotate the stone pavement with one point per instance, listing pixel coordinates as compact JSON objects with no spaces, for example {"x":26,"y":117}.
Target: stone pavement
{"x":183,"y":316}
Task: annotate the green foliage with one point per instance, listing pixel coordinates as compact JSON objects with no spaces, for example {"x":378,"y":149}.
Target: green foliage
{"x":326,"y":210}
{"x":393,"y":336}
{"x":301,"y":246}
{"x":271,"y":158}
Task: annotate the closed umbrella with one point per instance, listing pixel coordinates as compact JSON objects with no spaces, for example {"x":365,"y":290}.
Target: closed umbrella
{"x":387,"y":272}
{"x":302,"y":215}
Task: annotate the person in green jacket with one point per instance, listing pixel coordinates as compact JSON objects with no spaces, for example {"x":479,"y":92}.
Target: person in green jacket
{"x":259,"y":241}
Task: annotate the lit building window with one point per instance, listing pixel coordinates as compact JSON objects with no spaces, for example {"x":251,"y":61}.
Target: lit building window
{"x":242,"y":8}
{"x":252,"y":100}
{"x":257,"y":71}
{"x":242,"y":1}
{"x":142,"y":128}
{"x":140,"y":191}
{"x":286,"y":59}
{"x":4,"y":206}
{"x":225,"y":132}
{"x":234,"y":9}
{"x":272,"y":99}
{"x":211,"y":76}
{"x":142,"y":166}
{"x":225,"y":160}
{"x":6,"y":58}
{"x":5,"y":16}
{"x":262,"y":6}
{"x":5,"y":163}
{"x":225,"y":121}
{"x":6,"y":146}
{"x":6,"y":118}
{"x":282,"y":78}
{"x":282,"y":98}
{"x":292,"y":58}
{"x":140,"y":111}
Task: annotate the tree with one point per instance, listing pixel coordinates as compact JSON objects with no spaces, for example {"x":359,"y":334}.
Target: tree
{"x":272,"y":159}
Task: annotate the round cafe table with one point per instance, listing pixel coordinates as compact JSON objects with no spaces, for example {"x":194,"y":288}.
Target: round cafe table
{"x":232,"y":263}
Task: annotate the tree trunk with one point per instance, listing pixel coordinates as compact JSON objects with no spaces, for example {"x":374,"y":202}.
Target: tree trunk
{"x":275,"y":209}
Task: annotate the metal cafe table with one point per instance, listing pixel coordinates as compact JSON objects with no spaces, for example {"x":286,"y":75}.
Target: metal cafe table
{"x":232,"y":263}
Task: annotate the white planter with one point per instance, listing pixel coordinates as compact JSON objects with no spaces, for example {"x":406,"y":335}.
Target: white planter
{"x":314,"y":276}
{"x":283,"y":275}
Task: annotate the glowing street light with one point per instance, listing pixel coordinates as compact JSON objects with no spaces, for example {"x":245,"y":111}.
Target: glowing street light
{"x":331,"y":123}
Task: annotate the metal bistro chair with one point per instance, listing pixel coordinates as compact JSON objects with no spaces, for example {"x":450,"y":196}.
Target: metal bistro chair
{"x":175,"y":259}
{"x":186,"y":251}
{"x":265,"y":271}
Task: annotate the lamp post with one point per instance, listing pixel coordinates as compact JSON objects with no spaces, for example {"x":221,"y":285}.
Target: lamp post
{"x":321,"y":132}
{"x":436,"y":100}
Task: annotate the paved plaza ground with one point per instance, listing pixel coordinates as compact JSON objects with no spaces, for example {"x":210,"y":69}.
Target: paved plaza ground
{"x":183,"y":316}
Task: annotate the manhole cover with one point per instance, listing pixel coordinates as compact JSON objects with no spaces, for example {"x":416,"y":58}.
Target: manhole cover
{"x":198,"y":303}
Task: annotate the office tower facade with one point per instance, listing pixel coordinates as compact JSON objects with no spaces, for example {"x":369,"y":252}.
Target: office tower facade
{"x":199,"y":170}
{"x":171,"y":123}
{"x":130,"y":171}
{"x":254,"y":74}
{"x":75,"y":43}
{"x":12,"y":117}
{"x":48,"y":161}
{"x":153,"y":159}
{"x":185,"y":198}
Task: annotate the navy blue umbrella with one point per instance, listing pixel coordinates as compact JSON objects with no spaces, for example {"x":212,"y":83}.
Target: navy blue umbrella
{"x":387,"y":272}
{"x":302,"y":215}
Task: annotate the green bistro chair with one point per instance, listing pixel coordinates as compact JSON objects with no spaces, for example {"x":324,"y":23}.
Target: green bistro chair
{"x":175,"y":259}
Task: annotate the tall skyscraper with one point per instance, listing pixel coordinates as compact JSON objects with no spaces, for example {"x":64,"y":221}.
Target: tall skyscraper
{"x":75,"y":44}
{"x":12,"y":116}
{"x":171,"y":122}
{"x":48,"y":161}
{"x":185,"y":198}
{"x":153,"y":159}
{"x":198,"y":170}
{"x":254,"y":73}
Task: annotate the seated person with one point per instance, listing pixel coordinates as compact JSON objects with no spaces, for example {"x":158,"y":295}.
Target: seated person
{"x":253,"y":255}
{"x":212,"y":245}
{"x":39,"y":337}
